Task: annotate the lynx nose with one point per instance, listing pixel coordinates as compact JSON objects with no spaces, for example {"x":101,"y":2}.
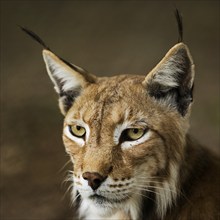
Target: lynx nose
{"x":94,"y":179}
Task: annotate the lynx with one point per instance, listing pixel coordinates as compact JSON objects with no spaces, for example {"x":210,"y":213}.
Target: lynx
{"x":127,"y":137}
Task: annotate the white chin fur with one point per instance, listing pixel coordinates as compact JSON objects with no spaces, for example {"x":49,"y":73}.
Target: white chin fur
{"x":130,"y":208}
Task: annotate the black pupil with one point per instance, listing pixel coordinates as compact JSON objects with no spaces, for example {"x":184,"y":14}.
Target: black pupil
{"x":135,"y":130}
{"x":78,"y":128}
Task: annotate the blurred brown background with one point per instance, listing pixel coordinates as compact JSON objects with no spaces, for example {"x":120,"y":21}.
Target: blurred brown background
{"x":106,"y":38}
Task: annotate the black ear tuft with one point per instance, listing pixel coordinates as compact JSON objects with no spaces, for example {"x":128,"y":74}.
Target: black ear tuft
{"x":41,"y":42}
{"x":179,"y":24}
{"x":35,"y":37}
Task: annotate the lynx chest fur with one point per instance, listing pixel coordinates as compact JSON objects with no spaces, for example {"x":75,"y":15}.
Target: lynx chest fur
{"x":127,"y":137}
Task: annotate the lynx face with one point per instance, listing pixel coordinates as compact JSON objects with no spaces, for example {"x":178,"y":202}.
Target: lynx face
{"x":125,"y":134}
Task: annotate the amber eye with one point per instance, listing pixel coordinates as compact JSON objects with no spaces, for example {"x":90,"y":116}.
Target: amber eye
{"x":135,"y":133}
{"x":132,"y":134}
{"x":77,"y":130}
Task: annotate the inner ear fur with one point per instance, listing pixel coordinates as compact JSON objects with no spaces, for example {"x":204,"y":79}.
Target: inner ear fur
{"x":171,"y":81}
{"x":68,"y":79}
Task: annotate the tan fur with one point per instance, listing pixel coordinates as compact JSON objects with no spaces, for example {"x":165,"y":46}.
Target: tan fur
{"x":180,"y":176}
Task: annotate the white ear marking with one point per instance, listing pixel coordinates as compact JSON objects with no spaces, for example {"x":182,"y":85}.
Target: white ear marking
{"x":171,"y":65}
{"x":168,"y":78}
{"x":171,"y":81}
{"x":68,"y":79}
{"x":63,"y":77}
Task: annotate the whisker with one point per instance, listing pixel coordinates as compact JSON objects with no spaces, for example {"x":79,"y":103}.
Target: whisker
{"x":141,"y":187}
{"x":62,"y":168}
{"x":155,"y":187}
{"x":176,"y":192}
{"x":74,"y":200}
{"x":140,"y":194}
{"x":68,"y":189}
{"x":149,"y":181}
{"x":69,"y":178}
{"x":150,"y":177}
{"x":146,"y":190}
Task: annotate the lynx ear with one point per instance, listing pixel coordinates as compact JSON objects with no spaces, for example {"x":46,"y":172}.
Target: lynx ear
{"x":171,"y":81}
{"x":68,"y":79}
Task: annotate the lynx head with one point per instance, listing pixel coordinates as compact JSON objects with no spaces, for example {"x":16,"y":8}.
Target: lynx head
{"x":125,"y":133}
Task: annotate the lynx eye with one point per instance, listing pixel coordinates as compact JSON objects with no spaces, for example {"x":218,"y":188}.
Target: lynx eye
{"x":132,"y":134}
{"x":77,"y":131}
{"x":135,"y":133}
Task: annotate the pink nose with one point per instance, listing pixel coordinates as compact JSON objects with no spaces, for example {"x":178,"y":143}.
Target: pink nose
{"x":94,"y":179}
